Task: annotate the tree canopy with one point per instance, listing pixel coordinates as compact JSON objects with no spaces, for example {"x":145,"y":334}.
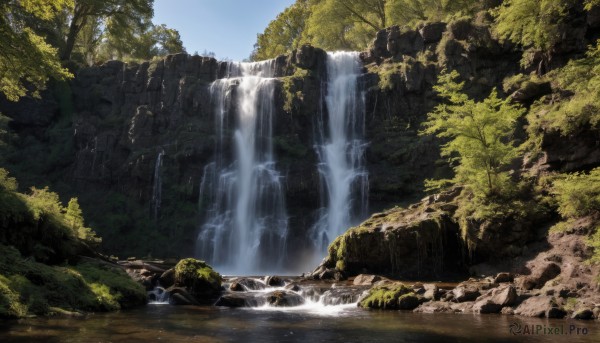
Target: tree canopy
{"x":348,"y":24}
{"x":40,"y":37}
{"x":479,"y":135}
{"x":26,"y":60}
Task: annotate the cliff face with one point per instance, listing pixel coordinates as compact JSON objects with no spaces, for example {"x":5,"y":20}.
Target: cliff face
{"x":120,"y":117}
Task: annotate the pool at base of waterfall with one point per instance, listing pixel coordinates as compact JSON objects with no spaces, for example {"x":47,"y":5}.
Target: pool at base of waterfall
{"x":219,"y":324}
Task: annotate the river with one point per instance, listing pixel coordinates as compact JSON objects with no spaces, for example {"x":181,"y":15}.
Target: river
{"x":165,"y":323}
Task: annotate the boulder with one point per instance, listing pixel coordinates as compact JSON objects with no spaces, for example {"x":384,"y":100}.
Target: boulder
{"x":537,"y":306}
{"x":540,"y":276}
{"x":365,"y":279}
{"x":465,"y":293}
{"x":284,"y":299}
{"x":503,"y":277}
{"x":385,"y":296}
{"x":583,"y":314}
{"x":486,"y":306}
{"x":408,"y":302}
{"x":274,"y":281}
{"x":167,"y":279}
{"x":432,"y":32}
{"x":180,"y":296}
{"x":432,"y":292}
{"x":434,"y":307}
{"x":231,"y":301}
{"x":504,"y":296}
{"x":242,"y":284}
{"x":199,"y":279}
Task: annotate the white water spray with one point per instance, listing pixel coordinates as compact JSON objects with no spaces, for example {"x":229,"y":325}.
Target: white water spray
{"x":246,"y":226}
{"x":340,"y":148}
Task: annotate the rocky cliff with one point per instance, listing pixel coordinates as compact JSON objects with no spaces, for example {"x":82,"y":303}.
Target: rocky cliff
{"x":114,"y":120}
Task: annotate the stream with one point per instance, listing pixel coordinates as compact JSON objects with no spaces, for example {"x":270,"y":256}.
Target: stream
{"x":312,"y":311}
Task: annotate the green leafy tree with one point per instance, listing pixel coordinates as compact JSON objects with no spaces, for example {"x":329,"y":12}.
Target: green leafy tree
{"x":74,"y":215}
{"x":123,"y":14}
{"x":408,"y":12}
{"x":343,"y":24}
{"x":27,"y":61}
{"x":282,"y":34}
{"x":479,"y":135}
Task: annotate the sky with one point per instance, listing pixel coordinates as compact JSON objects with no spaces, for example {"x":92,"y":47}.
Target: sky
{"x":226,"y":27}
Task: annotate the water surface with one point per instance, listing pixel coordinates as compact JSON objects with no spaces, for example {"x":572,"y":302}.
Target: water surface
{"x":164,"y":323}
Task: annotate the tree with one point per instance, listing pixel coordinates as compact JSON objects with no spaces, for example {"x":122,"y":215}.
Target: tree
{"x":27,"y":61}
{"x":123,"y":15}
{"x":74,"y":215}
{"x":345,"y":24}
{"x":408,"y":12}
{"x":282,"y":34}
{"x":479,"y":136}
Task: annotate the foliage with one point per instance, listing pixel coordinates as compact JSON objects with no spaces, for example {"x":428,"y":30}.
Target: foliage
{"x":28,"y":287}
{"x":283,"y":33}
{"x":532,"y":23}
{"x":37,"y":223}
{"x":348,"y":24}
{"x":479,"y":134}
{"x":578,"y":194}
{"x":27,"y":61}
{"x":581,"y":79}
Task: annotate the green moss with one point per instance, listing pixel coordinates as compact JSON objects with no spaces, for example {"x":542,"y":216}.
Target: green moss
{"x":198,"y":277}
{"x":385,"y":297}
{"x":29,"y":287}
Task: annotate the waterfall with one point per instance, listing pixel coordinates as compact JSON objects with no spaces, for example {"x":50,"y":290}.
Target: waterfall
{"x":340,"y":148}
{"x":157,"y":185}
{"x":241,"y":190}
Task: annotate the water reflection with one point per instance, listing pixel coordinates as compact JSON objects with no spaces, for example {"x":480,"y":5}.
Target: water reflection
{"x":209,"y":324}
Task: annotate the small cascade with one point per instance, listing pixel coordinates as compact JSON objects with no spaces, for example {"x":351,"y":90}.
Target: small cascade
{"x":158,"y":296}
{"x":241,"y":190}
{"x":290,"y":295}
{"x":157,"y":185}
{"x":341,"y":148}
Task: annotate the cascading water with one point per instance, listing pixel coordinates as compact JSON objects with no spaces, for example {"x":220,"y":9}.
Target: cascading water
{"x":157,"y":185}
{"x":246,"y":226}
{"x":340,"y":148}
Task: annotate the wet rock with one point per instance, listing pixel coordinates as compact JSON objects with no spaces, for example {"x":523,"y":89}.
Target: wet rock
{"x":536,"y":306}
{"x":556,"y":312}
{"x":199,"y":279}
{"x":180,"y":296}
{"x":508,"y":311}
{"x":167,"y":279}
{"x":465,"y":293}
{"x":236,"y":287}
{"x":274,"y":281}
{"x":583,"y":314}
{"x":242,"y":284}
{"x":464,"y":307}
{"x":503,"y":277}
{"x":432,"y":292}
{"x":284,"y":299}
{"x":434,"y":307}
{"x":331,"y":274}
{"x":293,"y":287}
{"x":486,"y":306}
{"x":231,"y":301}
{"x":408,"y":302}
{"x":365,"y":279}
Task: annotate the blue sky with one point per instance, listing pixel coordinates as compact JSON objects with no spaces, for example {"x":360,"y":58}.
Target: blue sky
{"x":226,"y":27}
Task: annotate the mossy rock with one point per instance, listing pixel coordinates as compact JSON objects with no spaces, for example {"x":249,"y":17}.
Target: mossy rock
{"x":31,"y":288}
{"x":387,"y":297}
{"x":198,"y":278}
